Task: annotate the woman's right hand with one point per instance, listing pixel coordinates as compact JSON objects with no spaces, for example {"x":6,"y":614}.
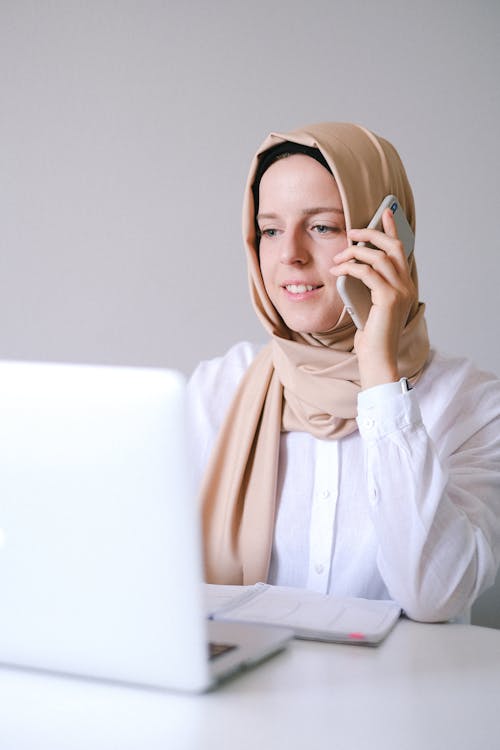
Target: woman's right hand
{"x":386,"y":273}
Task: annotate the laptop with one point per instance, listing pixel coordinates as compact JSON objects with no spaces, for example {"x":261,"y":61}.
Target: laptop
{"x":100,"y":545}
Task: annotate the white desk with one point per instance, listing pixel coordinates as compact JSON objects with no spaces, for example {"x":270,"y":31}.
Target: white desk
{"x":427,"y":687}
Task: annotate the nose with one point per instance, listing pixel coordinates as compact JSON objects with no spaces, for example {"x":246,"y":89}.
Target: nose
{"x":293,"y":249}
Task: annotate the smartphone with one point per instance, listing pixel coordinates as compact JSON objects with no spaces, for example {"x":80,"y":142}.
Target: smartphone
{"x":356,"y":295}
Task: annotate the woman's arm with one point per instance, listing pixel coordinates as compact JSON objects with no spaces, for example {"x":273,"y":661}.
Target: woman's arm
{"x":432,"y":455}
{"x":433,"y":476}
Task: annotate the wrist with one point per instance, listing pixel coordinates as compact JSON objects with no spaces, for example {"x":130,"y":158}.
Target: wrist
{"x":381,"y":394}
{"x":373,"y":376}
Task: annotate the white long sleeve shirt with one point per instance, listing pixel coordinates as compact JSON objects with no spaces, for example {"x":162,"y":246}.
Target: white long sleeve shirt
{"x":406,"y":508}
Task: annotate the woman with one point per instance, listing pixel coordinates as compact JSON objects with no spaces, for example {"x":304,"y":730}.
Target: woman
{"x":352,"y":462}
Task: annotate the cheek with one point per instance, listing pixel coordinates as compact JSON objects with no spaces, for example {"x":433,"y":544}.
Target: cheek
{"x":335,"y":248}
{"x":265,"y":264}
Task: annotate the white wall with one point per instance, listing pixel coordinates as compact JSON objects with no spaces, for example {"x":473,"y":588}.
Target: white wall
{"x":127,"y":128}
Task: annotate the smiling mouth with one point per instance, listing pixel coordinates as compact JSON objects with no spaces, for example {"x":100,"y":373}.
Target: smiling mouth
{"x":300,"y":288}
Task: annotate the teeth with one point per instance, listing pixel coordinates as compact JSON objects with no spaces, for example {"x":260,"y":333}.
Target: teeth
{"x":299,"y":288}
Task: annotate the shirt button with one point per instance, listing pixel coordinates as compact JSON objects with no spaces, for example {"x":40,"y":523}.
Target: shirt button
{"x":319,"y":568}
{"x":368,"y":423}
{"x":324,"y":494}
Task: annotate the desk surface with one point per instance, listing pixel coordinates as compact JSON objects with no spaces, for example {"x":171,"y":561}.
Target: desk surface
{"x":425,"y":687}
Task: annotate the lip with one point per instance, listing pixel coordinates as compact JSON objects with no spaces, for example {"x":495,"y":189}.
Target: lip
{"x":300,"y":296}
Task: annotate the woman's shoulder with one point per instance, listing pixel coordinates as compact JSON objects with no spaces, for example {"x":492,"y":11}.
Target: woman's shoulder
{"x":453,"y":373}
{"x":457,"y":396}
{"x":229,"y":367}
{"x":211,"y":389}
{"x":214,"y":382}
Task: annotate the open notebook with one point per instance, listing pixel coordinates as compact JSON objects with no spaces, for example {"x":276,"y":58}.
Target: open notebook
{"x":311,"y":615}
{"x":100,"y":559}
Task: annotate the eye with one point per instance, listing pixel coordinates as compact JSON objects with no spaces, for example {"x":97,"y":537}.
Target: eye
{"x":326,"y":229}
{"x":269,"y":233}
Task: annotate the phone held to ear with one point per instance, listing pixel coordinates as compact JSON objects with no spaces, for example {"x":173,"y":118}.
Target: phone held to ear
{"x":355,"y":295}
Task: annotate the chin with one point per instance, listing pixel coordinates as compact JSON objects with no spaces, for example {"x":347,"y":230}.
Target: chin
{"x":309,"y":327}
{"x":309,"y":323}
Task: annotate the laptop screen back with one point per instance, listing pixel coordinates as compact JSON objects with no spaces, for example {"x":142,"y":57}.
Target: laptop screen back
{"x":100,"y":563}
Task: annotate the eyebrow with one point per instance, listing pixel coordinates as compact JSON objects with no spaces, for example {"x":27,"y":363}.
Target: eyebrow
{"x":322,"y":210}
{"x":308,"y":212}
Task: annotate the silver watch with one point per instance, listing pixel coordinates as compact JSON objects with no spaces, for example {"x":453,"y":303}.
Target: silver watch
{"x":405,"y":385}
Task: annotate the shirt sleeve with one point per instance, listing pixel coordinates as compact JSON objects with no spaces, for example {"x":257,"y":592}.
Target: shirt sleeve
{"x":433,"y":478}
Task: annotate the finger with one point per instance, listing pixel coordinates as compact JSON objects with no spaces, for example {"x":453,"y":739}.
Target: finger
{"x":395,"y":297}
{"x":371,"y":272}
{"x":391,"y":268}
{"x":389,"y":224}
{"x":374,"y":237}
{"x":384,"y":262}
{"x":391,"y":246}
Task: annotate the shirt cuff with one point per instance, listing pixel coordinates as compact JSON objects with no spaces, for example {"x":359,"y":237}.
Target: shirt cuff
{"x":384,"y":409}
{"x":378,"y":394}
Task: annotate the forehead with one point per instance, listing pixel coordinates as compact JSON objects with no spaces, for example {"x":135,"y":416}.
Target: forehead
{"x":298,"y":178}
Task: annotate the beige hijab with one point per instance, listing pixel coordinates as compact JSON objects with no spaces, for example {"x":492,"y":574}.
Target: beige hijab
{"x":298,"y":382}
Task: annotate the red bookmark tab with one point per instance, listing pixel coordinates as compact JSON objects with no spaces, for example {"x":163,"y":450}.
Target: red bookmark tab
{"x":357,"y":636}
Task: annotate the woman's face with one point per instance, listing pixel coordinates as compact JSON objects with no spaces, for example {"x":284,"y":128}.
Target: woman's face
{"x":302,"y":228}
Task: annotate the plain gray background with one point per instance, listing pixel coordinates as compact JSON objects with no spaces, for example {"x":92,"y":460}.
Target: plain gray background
{"x":127,"y":129}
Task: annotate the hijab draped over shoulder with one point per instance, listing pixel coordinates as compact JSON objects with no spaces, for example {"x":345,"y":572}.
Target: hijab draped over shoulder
{"x":298,"y":382}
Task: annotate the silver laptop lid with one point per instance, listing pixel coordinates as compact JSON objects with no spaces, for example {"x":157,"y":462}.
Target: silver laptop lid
{"x":100,"y":563}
